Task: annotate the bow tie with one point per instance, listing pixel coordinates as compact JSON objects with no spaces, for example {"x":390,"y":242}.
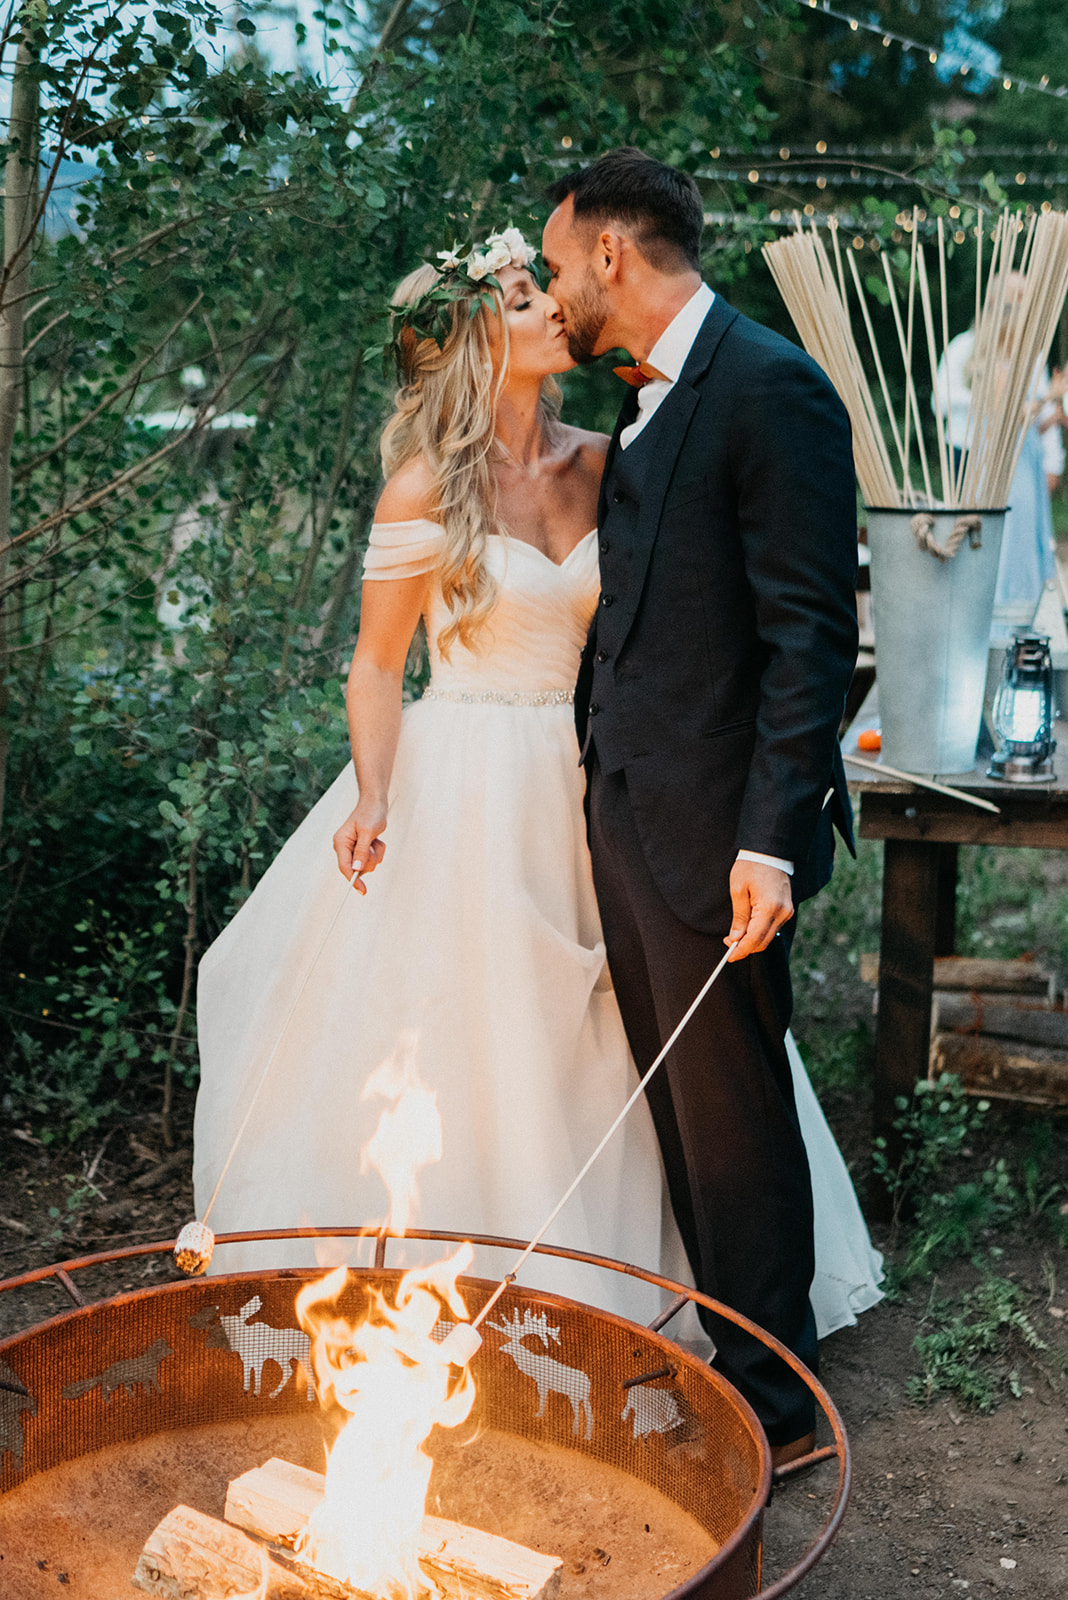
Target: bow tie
{"x":639,"y":375}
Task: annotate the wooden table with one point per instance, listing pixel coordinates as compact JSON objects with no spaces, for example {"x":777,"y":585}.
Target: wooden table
{"x":922,"y":833}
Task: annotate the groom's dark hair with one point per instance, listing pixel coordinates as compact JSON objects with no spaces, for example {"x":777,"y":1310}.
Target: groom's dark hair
{"x":659,"y":206}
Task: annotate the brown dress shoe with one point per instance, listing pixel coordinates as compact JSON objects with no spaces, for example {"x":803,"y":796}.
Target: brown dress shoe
{"x":782,"y":1454}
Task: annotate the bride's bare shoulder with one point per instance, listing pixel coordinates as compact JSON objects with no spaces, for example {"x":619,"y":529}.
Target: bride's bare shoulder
{"x":586,"y":446}
{"x":408,"y":495}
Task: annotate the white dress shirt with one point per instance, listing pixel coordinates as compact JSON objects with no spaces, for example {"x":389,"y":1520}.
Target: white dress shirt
{"x":669,"y":355}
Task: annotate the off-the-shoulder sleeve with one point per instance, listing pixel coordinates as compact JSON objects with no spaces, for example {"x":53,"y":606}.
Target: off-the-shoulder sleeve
{"x":403,"y":549}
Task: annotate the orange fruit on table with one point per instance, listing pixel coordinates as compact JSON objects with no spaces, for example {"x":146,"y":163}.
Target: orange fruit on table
{"x":869,"y":739}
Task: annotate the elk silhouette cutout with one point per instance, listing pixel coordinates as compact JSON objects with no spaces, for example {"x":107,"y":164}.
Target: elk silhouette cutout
{"x":550,"y":1375}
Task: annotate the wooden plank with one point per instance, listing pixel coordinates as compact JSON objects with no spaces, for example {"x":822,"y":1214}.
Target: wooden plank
{"x":1001,"y":1070}
{"x":994,"y":1016}
{"x":1041,"y":826}
{"x":276,"y":1500}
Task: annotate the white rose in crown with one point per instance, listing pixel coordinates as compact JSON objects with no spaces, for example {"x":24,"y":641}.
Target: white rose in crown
{"x":498,"y":254}
{"x":521,"y":254}
{"x":477,"y":266}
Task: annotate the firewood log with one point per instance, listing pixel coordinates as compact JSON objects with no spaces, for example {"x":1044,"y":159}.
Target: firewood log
{"x":1002,"y":1018}
{"x":193,"y":1557}
{"x":276,"y":1500}
{"x":1003,"y":1070}
{"x":983,"y":973}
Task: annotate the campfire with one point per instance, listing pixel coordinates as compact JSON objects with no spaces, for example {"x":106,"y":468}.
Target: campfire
{"x":386,"y":1375}
{"x":573,"y":1454}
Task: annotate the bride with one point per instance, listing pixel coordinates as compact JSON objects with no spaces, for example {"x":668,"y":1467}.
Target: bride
{"x":473,"y":957}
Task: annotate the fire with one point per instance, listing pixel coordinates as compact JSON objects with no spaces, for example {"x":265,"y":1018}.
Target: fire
{"x":408,"y":1136}
{"x":386,"y":1370}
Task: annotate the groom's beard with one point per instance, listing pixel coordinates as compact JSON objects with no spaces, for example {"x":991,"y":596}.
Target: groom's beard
{"x":585,"y":318}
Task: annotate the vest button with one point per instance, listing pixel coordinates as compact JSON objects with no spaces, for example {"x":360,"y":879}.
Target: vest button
{"x":594,"y":708}
{"x":618,"y":496}
{"x":607,"y":599}
{"x":605,"y":547}
{"x":602,"y":656}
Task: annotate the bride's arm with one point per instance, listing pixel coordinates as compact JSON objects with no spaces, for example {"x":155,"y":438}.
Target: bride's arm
{"x":389,"y":614}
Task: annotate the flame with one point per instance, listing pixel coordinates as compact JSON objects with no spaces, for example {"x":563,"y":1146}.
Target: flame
{"x":408,"y":1136}
{"x":385,"y":1370}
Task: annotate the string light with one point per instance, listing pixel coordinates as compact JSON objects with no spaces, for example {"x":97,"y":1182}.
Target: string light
{"x":1042,"y":86}
{"x":851,"y":176}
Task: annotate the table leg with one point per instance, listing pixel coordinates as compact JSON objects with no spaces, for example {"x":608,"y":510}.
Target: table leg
{"x":906,"y":981}
{"x":946,"y":916}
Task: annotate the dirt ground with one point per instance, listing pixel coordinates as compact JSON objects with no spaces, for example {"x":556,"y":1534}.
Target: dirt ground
{"x":945,"y":1502}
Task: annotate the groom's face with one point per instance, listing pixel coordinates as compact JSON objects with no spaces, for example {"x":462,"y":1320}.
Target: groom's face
{"x":574,"y":283}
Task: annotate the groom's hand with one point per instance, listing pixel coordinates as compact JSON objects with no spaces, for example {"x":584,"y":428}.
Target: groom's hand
{"x":761,"y":902}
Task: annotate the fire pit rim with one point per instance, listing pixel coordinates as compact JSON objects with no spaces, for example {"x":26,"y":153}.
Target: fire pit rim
{"x":782,"y":1585}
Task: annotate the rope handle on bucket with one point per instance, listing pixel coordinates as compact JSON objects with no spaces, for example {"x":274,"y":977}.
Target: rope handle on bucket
{"x":969,"y":526}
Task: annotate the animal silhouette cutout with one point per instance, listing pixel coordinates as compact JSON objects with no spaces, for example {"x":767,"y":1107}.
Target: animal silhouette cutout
{"x":550,"y":1376}
{"x":126,"y":1375}
{"x":651,"y":1410}
{"x":257,"y":1343}
{"x":15,"y":1398}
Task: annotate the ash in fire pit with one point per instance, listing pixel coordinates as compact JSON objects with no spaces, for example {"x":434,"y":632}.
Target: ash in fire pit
{"x":87,"y":1521}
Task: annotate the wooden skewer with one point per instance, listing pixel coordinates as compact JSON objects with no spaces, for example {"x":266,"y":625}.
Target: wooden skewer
{"x":923,"y":783}
{"x":1008,"y":352}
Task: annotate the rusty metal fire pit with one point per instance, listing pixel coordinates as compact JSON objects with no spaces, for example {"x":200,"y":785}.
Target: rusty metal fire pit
{"x":215,"y":1366}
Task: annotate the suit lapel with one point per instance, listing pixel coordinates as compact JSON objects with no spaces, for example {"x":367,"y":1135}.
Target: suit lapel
{"x":627,"y":413}
{"x":671,"y":421}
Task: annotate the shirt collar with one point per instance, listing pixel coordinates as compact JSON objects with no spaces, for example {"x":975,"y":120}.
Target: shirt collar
{"x":671,"y":350}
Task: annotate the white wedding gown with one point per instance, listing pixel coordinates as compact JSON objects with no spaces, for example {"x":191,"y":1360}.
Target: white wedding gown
{"x":478,"y":947}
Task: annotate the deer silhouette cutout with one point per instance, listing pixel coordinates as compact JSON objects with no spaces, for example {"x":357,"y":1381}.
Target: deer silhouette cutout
{"x":550,"y":1376}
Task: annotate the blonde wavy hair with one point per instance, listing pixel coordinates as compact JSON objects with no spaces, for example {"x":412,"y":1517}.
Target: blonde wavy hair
{"x":445,"y":412}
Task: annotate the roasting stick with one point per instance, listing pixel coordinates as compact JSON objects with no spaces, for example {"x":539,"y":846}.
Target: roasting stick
{"x":922,"y":783}
{"x":195,"y":1244}
{"x":464,"y":1339}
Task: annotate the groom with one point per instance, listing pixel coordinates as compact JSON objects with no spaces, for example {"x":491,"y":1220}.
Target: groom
{"x":708,"y":705}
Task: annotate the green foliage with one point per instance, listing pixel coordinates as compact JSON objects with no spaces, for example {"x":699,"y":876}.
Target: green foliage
{"x":195,"y":463}
{"x":969,"y":1350}
{"x":832,"y":1018}
{"x":935,"y":1127}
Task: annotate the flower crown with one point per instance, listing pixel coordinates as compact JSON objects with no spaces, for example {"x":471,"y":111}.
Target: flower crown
{"x":467,"y":276}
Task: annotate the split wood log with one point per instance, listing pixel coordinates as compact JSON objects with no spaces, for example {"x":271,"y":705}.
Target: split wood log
{"x":996,"y":1069}
{"x":276,"y":1500}
{"x":995,"y":1016}
{"x":986,"y":974}
{"x":193,"y":1557}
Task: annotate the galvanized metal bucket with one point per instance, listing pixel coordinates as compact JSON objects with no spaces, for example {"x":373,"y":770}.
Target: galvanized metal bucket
{"x":933,"y":576}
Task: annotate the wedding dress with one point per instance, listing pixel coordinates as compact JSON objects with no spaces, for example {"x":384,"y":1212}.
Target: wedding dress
{"x":477,"y":952}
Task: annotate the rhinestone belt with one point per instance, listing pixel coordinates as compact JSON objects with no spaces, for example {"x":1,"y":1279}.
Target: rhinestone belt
{"x":502,"y":697}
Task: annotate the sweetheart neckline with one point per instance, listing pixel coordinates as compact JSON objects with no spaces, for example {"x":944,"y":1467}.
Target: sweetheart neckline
{"x":525,"y":544}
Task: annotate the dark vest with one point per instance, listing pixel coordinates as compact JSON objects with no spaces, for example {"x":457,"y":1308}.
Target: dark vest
{"x":622,"y":501}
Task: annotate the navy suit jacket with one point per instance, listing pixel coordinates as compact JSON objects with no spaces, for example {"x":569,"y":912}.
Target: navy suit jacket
{"x":721,"y":668}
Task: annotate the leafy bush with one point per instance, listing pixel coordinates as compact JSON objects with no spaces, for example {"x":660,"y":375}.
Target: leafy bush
{"x":970,"y":1348}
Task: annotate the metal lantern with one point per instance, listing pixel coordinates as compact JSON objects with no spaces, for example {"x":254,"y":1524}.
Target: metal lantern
{"x":1023,"y":712}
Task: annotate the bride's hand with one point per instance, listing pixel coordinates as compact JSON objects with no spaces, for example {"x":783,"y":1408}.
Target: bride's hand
{"x":358,"y":844}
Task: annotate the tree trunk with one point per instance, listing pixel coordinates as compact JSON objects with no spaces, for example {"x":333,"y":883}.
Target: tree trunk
{"x":20,"y":212}
{"x":188,"y":971}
